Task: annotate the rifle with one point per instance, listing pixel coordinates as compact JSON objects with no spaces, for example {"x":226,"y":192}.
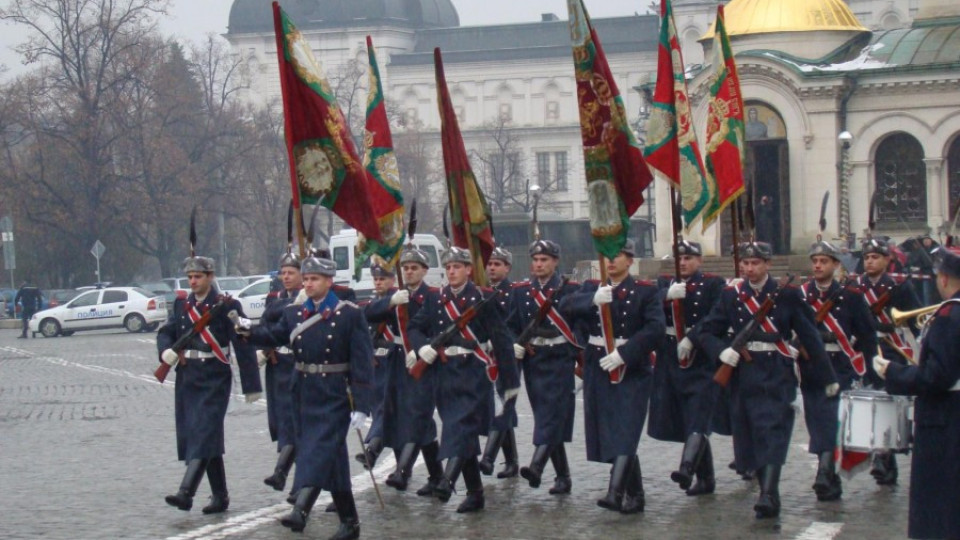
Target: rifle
{"x":446,"y":335}
{"x":527,"y":334}
{"x":825,"y":307}
{"x":181,"y":344}
{"x":725,"y":371}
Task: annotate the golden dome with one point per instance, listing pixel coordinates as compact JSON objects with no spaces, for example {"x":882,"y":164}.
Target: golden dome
{"x":767,"y":16}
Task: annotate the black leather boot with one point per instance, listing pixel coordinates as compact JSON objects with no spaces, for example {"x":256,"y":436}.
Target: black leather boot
{"x":434,"y":469}
{"x":692,"y":452}
{"x":827,"y":484}
{"x":618,"y":474}
{"x":217,"y":476}
{"x":296,"y":521}
{"x":278,"y":480}
{"x":369,"y":459}
{"x":706,"y":479}
{"x":471,"y":478}
{"x":511,"y":466}
{"x":292,"y":497}
{"x":768,"y":504}
{"x":445,"y":486}
{"x":884,"y":469}
{"x":183,"y":499}
{"x":562,"y":483}
{"x":494,"y":441}
{"x":349,"y":520}
{"x":398,"y":479}
{"x":633,"y":496}
{"x":534,"y":472}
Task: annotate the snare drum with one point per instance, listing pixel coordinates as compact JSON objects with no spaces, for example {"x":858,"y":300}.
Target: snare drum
{"x":875,"y":420}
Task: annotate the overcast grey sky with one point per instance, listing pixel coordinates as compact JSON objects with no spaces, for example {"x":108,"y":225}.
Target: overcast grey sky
{"x":193,"y":19}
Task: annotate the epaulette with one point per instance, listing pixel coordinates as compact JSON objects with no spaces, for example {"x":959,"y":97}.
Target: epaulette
{"x":338,"y":287}
{"x":592,"y":281}
{"x":518,"y":284}
{"x":646,"y":282}
{"x":573,"y":283}
{"x":712,"y":276}
{"x":487,"y":290}
{"x":434,"y":289}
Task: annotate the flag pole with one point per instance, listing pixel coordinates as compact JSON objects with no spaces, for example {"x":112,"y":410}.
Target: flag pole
{"x":734,"y":210}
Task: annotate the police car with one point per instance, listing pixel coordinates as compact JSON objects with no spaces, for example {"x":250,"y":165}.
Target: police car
{"x":253,"y":298}
{"x":133,"y":308}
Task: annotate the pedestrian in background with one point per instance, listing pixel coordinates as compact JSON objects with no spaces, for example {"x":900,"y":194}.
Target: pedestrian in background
{"x":29,"y":298}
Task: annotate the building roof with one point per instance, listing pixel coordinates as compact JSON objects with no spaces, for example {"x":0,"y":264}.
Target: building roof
{"x":746,"y":17}
{"x":546,"y":39}
{"x":256,"y":16}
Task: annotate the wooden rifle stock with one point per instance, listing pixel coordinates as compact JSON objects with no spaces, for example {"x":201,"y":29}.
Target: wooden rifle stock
{"x":447,"y":334}
{"x":178,"y":346}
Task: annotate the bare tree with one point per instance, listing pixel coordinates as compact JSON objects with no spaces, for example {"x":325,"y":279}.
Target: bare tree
{"x":502,"y":165}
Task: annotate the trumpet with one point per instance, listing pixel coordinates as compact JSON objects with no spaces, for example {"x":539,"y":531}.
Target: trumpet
{"x":901,"y":317}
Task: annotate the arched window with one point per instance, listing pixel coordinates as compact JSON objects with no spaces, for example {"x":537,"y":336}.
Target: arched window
{"x":953,"y":171}
{"x":901,"y":181}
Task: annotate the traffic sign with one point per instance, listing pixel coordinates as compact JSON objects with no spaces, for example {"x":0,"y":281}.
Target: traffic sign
{"x":98,"y":249}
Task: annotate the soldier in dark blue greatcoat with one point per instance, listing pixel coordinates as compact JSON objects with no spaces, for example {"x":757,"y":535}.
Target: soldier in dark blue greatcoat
{"x":935,"y":471}
{"x":883,"y":292}
{"x":502,"y":428}
{"x":614,"y":413}
{"x":332,"y":391}
{"x":278,"y":374}
{"x":684,"y":394}
{"x":203,"y":386}
{"x":849,"y":337}
{"x":384,"y":346}
{"x":764,"y":386}
{"x":408,"y":421}
{"x":467,"y":368}
{"x":548,"y":363}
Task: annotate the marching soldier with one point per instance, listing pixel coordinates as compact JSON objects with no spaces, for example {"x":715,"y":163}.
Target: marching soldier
{"x":204,"y":379}
{"x":408,"y":421}
{"x":332,"y":390}
{"x":466,"y":371}
{"x":847,"y":331}
{"x":278,"y":374}
{"x":614,"y":413}
{"x":548,"y":366}
{"x":935,"y":474}
{"x":883,"y":292}
{"x":502,"y":428}
{"x":764,"y":386}
{"x":684,"y":394}
{"x":384,"y":279}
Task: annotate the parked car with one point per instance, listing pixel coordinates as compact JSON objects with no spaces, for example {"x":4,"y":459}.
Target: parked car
{"x":133,"y":308}
{"x":159,"y":288}
{"x":231,"y":284}
{"x":256,"y":278}
{"x":177,"y":283}
{"x":59,"y":297}
{"x":253,"y":298}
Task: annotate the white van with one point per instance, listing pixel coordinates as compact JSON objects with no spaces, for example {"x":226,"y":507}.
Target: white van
{"x":342,"y":248}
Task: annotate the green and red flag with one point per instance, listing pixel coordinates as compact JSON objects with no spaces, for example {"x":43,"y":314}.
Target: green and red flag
{"x":672,"y":148}
{"x":725,"y":127}
{"x":613,"y":160}
{"x":381,"y":163}
{"x":324,"y":166}
{"x":469,"y":211}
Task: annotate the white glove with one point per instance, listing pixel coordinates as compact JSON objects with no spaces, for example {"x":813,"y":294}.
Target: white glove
{"x":400,"y":297}
{"x":411,"y":359}
{"x":684,"y":348}
{"x":301,"y":298}
{"x":611,"y":361}
{"x":251,"y":397}
{"x":604,"y":295}
{"x":357,"y":419}
{"x":242,"y":325}
{"x":677,"y":291}
{"x":730,"y":357}
{"x":734,"y":282}
{"x":880,"y":366}
{"x":261,"y":358}
{"x":832,"y":389}
{"x":170,"y":357}
{"x":501,"y":402}
{"x":428,"y":353}
{"x":518,"y":351}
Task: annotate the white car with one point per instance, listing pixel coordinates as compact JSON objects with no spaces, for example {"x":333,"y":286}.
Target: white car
{"x":253,"y":298}
{"x":133,"y":308}
{"x":231,"y":285}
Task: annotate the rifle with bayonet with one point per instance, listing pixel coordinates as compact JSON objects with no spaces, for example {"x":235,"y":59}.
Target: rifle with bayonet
{"x":199,"y":326}
{"x":528,"y":331}
{"x":739,"y":343}
{"x":441,"y":340}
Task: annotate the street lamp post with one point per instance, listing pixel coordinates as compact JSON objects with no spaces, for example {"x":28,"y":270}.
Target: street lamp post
{"x":846,"y":171}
